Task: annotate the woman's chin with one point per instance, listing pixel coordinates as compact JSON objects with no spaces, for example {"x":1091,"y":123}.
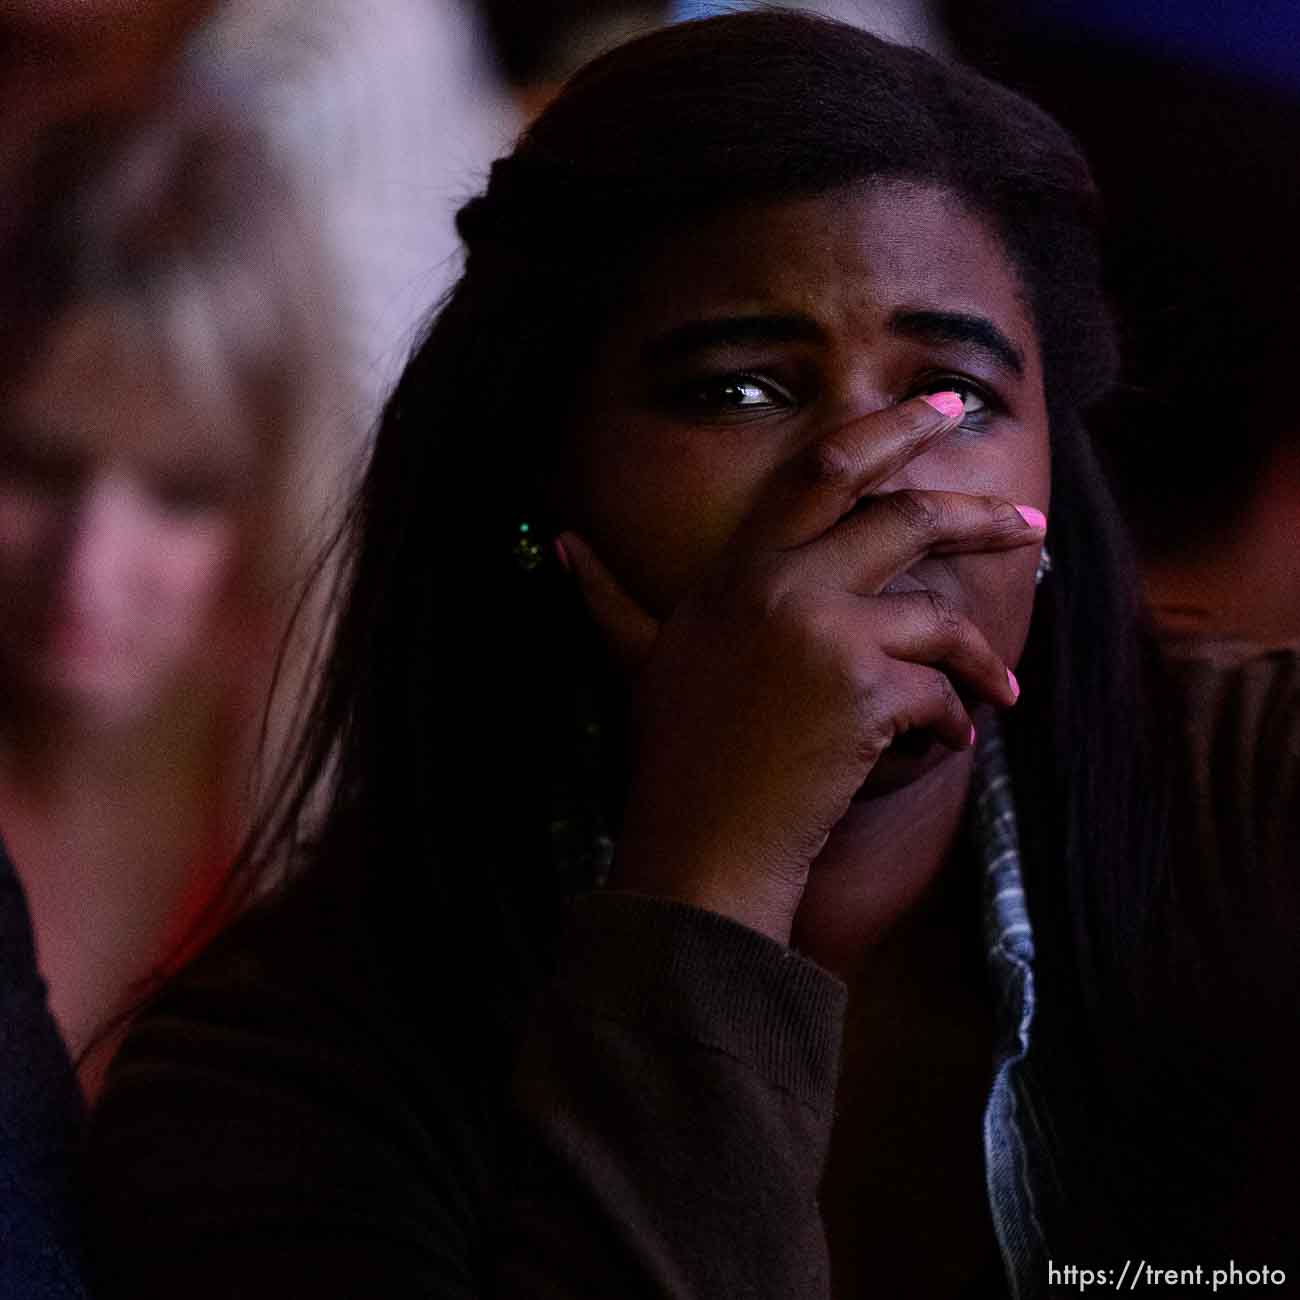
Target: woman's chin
{"x":91,"y":696}
{"x":908,"y":759}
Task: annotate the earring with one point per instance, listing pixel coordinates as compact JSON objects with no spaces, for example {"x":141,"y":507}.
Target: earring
{"x":1044,"y":566}
{"x":527,"y":551}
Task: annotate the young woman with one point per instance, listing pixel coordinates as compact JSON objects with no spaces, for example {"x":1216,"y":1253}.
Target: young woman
{"x":169,"y":425}
{"x":699,"y":548}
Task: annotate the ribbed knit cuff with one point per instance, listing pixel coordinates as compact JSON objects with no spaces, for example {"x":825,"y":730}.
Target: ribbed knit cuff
{"x":677,"y":969}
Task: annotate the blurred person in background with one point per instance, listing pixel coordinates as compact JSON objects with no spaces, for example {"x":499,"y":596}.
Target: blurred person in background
{"x":1189,"y":112}
{"x":63,"y":59}
{"x":59,"y":61}
{"x":539,"y":46}
{"x":171,"y":439}
{"x":385,"y":114}
{"x":910,"y":22}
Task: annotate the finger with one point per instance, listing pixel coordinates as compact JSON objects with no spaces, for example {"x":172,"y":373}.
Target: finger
{"x":629,"y":632}
{"x":915,"y":698}
{"x":888,"y":534}
{"x":924,"y":627}
{"x":827,"y":478}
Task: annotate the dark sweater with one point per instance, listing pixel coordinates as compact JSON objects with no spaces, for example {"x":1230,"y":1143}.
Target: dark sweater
{"x":40,"y":1120}
{"x":288,"y":1119}
{"x":279,"y":1124}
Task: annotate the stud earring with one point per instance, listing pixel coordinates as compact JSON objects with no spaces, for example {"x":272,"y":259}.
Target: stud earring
{"x":527,"y":550}
{"x":1044,"y":566}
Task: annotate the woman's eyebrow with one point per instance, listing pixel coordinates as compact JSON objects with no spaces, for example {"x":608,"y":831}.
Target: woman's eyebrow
{"x":958,"y":327}
{"x":729,"y":331}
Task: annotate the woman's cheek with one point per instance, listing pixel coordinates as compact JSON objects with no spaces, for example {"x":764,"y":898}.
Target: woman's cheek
{"x":25,"y":520}
{"x":665,"y":523}
{"x":193,"y":564}
{"x":32,"y":527}
{"x":997,"y":592}
{"x":996,"y":588}
{"x":1010,"y":462}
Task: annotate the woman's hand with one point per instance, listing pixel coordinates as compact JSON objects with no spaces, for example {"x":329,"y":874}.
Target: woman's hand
{"x":768,"y":695}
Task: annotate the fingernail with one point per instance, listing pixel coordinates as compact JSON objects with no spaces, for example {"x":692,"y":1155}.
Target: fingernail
{"x":562,"y":555}
{"x":1034,"y":518}
{"x":947,"y":404}
{"x":971,"y":741}
{"x":1015,"y":685}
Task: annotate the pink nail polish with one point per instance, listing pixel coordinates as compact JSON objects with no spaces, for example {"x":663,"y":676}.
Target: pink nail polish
{"x":947,"y":404}
{"x":1034,"y":518}
{"x":1015,"y":685}
{"x":971,"y":741}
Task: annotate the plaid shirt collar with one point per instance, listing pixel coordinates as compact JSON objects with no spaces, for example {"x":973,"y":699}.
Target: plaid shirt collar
{"x":1018,"y":1171}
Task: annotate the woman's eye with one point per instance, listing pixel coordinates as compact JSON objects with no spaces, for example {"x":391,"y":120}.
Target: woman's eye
{"x":976,"y":403}
{"x":731,"y":395}
{"x":740,"y":395}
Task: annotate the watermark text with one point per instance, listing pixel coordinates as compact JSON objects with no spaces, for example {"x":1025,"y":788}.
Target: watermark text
{"x":1135,"y":1275}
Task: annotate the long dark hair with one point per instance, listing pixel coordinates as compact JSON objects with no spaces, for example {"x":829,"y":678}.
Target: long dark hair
{"x":463,"y":702}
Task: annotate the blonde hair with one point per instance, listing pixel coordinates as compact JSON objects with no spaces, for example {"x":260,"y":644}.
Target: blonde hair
{"x":182,"y":222}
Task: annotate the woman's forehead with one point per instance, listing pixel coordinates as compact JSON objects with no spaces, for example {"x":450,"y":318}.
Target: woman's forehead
{"x":111,"y":384}
{"x":838,"y":258}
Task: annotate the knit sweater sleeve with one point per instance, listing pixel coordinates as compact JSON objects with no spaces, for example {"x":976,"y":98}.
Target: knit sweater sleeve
{"x":269,"y":1129}
{"x":675,"y":1094}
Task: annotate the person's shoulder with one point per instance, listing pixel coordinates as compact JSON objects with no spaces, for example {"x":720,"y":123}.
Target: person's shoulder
{"x":1233,"y":912}
{"x":1237,"y":719}
{"x":281,"y":1087}
{"x":1217,"y":656}
{"x":1242,"y":695}
{"x":296,"y":961}
{"x":40,"y":1118}
{"x":1235,"y":715}
{"x":1237,"y":815}
{"x":302,"y":977}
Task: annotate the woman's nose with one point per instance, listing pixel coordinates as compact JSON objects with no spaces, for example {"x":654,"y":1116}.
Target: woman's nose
{"x":911,"y":475}
{"x":101,"y":546}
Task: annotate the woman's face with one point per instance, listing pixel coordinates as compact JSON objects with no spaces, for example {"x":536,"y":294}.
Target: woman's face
{"x":119,"y":522}
{"x":772,"y":325}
